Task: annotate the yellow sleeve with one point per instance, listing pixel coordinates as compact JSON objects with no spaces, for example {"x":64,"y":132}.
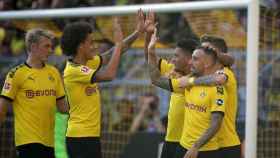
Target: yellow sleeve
{"x":11,"y":85}
{"x":60,"y":93}
{"x":164,"y":66}
{"x":231,"y":80}
{"x":95,"y":63}
{"x":218,"y":99}
{"x":175,"y":86}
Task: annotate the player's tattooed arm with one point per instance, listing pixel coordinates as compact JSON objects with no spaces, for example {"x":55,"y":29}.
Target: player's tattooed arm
{"x":126,"y":44}
{"x":216,"y":121}
{"x":157,"y":79}
{"x":210,"y":80}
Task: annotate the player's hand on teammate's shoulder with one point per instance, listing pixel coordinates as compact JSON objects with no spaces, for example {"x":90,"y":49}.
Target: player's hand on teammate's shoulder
{"x":220,"y":77}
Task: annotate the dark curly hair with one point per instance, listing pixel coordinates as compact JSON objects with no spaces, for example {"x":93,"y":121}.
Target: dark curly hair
{"x":73,"y":35}
{"x":188,"y":45}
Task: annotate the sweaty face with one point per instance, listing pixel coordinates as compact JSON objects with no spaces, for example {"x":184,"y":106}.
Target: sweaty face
{"x":42,"y":49}
{"x":181,"y":60}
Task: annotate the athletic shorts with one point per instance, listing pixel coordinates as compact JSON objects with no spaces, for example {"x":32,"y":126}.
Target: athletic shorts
{"x":181,"y":151}
{"x":169,"y":149}
{"x":83,"y":147}
{"x":230,"y":152}
{"x":34,"y":150}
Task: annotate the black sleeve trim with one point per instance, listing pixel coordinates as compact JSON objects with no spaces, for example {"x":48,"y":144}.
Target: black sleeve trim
{"x":101,"y":60}
{"x":99,"y":66}
{"x":159,"y":64}
{"x":5,"y":97}
{"x":60,"y":97}
{"x":170,"y":84}
{"x":220,"y":112}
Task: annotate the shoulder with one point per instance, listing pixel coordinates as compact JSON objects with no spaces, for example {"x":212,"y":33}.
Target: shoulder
{"x":16,"y":70}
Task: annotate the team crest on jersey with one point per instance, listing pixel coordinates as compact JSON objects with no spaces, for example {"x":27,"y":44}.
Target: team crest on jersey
{"x":85,"y":69}
{"x":202,"y":94}
{"x":220,"y":90}
{"x":7,"y":86}
{"x":220,"y":102}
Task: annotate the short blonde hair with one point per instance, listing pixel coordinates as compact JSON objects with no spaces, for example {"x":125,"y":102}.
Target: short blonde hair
{"x":34,"y":35}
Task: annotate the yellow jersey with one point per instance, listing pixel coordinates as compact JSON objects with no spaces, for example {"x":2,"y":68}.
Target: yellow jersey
{"x":201,"y":101}
{"x":33,"y":93}
{"x":84,"y":100}
{"x":176,"y":106}
{"x":227,"y":134}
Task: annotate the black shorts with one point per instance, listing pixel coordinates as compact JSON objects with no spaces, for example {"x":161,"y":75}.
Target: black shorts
{"x":34,"y":150}
{"x":169,"y":149}
{"x":231,"y":152}
{"x":181,"y":151}
{"x":83,"y":147}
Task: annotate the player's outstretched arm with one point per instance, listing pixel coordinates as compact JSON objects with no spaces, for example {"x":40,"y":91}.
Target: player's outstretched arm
{"x":157,"y":79}
{"x":149,"y":30}
{"x":3,"y":109}
{"x":127,"y":42}
{"x":110,"y":71}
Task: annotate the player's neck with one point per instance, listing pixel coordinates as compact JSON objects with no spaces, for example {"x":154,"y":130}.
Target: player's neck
{"x":79,"y":59}
{"x":34,"y":62}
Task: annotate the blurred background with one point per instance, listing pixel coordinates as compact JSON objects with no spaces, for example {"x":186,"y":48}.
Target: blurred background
{"x":123,"y":98}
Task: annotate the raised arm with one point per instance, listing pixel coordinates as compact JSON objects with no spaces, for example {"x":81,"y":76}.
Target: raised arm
{"x":150,"y":27}
{"x":157,"y":79}
{"x":110,"y":71}
{"x":127,"y":42}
